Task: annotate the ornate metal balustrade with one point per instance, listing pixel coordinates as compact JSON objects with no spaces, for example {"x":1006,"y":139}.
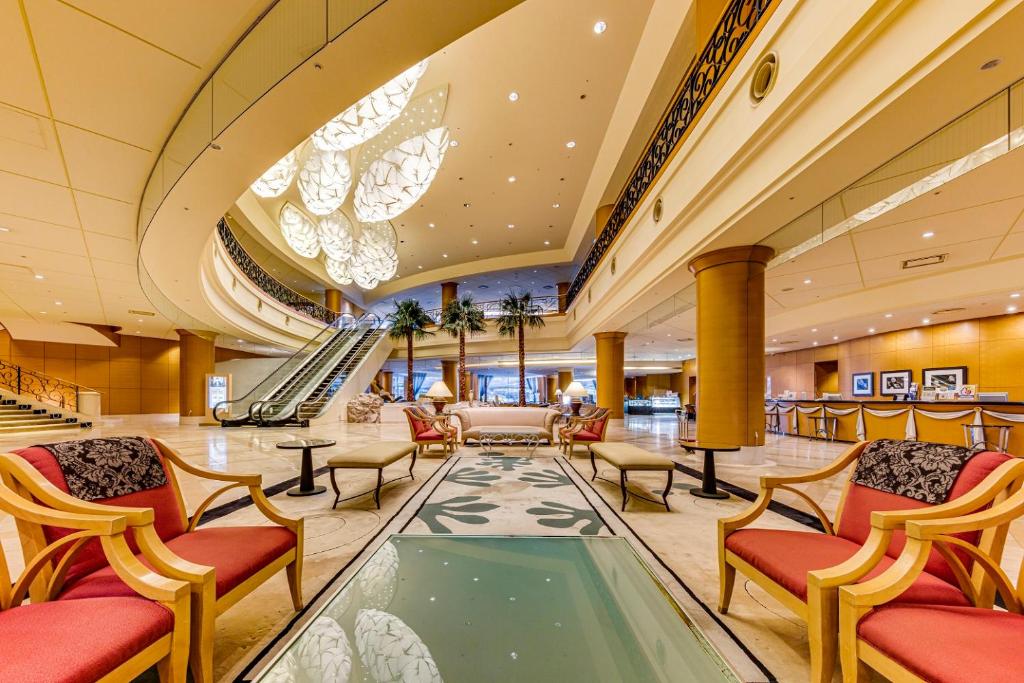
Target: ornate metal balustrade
{"x":267,"y":283}
{"x":739,"y":22}
{"x":44,"y":388}
{"x":492,"y":309}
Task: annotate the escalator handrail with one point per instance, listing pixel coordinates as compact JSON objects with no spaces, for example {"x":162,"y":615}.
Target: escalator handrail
{"x":369,"y":339}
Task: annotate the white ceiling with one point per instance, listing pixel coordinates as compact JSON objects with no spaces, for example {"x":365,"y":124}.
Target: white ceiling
{"x":89,"y":92}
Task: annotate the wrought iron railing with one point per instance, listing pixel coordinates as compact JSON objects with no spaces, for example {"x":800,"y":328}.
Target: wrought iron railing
{"x":739,"y":21}
{"x":267,"y":283}
{"x":44,"y":388}
{"x":492,"y":309}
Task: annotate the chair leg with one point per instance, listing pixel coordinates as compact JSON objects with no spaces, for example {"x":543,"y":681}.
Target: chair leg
{"x":376,"y":491}
{"x":726,"y":582}
{"x":337,"y":491}
{"x":622,"y":485}
{"x":294,"y":573}
{"x":668,"y":488}
{"x":174,"y":667}
{"x":412,"y":465}
{"x":593,"y":463}
{"x":822,"y":632}
{"x":204,"y":613}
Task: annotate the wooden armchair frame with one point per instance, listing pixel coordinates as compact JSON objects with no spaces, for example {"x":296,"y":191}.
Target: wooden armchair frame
{"x":856,"y":601}
{"x":169,"y":653}
{"x":821,"y":611}
{"x":441,"y":423}
{"x":206,"y":606}
{"x":576,"y":424}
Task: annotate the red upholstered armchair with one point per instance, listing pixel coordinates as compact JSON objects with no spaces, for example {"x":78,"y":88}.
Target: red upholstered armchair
{"x":427,"y":430}
{"x":586,"y":430}
{"x":804,"y":569}
{"x":73,"y":641}
{"x":221,"y":564}
{"x":940,"y":643}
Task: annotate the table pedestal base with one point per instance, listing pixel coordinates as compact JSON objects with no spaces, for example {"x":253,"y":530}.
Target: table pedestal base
{"x":297,"y":491}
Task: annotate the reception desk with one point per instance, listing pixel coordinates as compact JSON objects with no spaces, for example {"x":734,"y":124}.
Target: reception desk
{"x":937,"y":421}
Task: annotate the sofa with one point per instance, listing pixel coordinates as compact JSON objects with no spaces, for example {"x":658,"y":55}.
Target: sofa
{"x":472,"y":420}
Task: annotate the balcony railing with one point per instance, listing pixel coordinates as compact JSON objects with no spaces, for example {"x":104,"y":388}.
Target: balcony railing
{"x":44,"y":388}
{"x":492,"y":309}
{"x":267,"y":283}
{"x":740,"y":21}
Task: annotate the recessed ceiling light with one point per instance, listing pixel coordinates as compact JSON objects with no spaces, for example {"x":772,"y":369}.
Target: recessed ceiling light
{"x":39,"y":276}
{"x":815,"y":343}
{"x":444,"y":255}
{"x":241,"y":341}
{"x":925,"y":321}
{"x":871,"y":330}
{"x":58,"y":303}
{"x":555,"y":205}
{"x":807,"y":281}
{"x":1011,"y":309}
{"x":3,"y":229}
{"x":1015,"y":295}
{"x":476,"y":241}
{"x":43,"y":312}
{"x":928,"y":234}
{"x":511,"y":225}
{"x":420,"y":267}
{"x":835,"y":338}
{"x":547,"y":242}
{"x":814,"y":329}
{"x":513,"y":96}
{"x":570,"y":144}
{"x":600,"y":27}
{"x":453,"y":143}
{"x":888,"y":315}
{"x":775,"y":340}
{"x":511,"y":178}
{"x":430,"y":225}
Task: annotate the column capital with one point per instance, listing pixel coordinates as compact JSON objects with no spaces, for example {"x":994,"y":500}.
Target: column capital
{"x":610,"y":335}
{"x":751,"y":253}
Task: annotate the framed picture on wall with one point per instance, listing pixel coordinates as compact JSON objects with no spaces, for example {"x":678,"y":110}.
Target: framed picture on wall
{"x":863,"y":384}
{"x":945,"y":378}
{"x":894,"y":382}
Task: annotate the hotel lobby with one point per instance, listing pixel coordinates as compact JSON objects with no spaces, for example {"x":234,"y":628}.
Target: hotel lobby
{"x":512,"y":340}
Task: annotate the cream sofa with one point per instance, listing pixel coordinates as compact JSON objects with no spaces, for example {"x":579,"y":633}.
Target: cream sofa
{"x":472,"y":420}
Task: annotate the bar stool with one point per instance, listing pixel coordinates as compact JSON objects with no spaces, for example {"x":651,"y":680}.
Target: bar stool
{"x":821,"y":426}
{"x":772,"y":423}
{"x":975,"y":437}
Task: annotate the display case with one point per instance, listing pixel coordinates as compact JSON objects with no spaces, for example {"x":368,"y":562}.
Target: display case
{"x":665,"y":404}
{"x":639,"y":406}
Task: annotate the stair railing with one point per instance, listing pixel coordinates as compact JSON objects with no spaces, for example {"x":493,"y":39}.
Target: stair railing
{"x":40,"y":386}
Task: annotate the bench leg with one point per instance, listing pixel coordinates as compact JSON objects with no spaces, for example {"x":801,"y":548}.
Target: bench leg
{"x":412,"y":464}
{"x":622,"y":485}
{"x":593,"y":463}
{"x":668,"y":488}
{"x":337,"y":491}
{"x":376,"y":491}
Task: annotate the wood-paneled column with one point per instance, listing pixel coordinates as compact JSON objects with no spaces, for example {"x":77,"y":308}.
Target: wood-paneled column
{"x":450,"y":375}
{"x":196,"y":359}
{"x":611,"y":355}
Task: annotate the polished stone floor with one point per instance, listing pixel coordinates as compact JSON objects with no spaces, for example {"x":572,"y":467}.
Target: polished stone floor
{"x":684,"y":538}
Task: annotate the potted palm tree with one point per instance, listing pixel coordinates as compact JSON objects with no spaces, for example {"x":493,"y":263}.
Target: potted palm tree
{"x":409,"y":321}
{"x":519,"y":311}
{"x":459,"y":318}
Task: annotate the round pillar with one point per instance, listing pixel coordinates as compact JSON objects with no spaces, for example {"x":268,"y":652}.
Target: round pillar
{"x":611,"y":355}
{"x":387,"y":381}
{"x":552,"y":388}
{"x":629,"y":386}
{"x":450,"y":376}
{"x":195,"y":361}
{"x":564,"y":379}
{"x":730,"y":344}
{"x":640,"y":386}
{"x":563,"y":296}
{"x":332,"y":300}
{"x":449,"y":292}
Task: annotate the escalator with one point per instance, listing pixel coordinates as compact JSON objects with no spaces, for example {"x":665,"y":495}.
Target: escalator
{"x":302,"y":387}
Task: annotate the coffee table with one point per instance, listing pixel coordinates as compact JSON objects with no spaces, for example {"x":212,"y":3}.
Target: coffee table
{"x":527,"y":436}
{"x":474,"y":608}
{"x":306,"y":486}
{"x":709,"y":482}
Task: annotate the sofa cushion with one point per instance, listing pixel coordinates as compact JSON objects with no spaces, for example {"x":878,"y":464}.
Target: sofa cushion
{"x":78,"y":641}
{"x":235,"y":552}
{"x":786,"y":556}
{"x":855,"y":520}
{"x":948,"y":644}
{"x":169,"y":519}
{"x":505,"y":417}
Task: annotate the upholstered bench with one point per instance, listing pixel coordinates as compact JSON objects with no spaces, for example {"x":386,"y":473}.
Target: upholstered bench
{"x":373,"y":457}
{"x":626,"y":457}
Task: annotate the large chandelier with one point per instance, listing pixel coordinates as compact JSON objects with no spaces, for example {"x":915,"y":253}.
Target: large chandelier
{"x":372,"y":114}
{"x":339,"y":271}
{"x":335,"y":233}
{"x":299,"y":231}
{"x":324,"y":180}
{"x":396,"y":181}
{"x":278,"y":177}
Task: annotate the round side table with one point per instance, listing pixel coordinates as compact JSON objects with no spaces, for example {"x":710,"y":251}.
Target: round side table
{"x":709,"y":482}
{"x":306,"y":486}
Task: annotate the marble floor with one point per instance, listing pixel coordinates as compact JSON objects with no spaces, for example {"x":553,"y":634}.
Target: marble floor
{"x":685,"y":538}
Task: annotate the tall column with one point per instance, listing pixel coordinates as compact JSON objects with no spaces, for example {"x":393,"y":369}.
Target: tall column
{"x":677,"y":384}
{"x":332,"y":300}
{"x":730,"y":344}
{"x":195,"y":361}
{"x":449,"y":292}
{"x":387,"y":381}
{"x":640,"y":385}
{"x":564,"y":379}
{"x":611,"y":356}
{"x":629,"y":386}
{"x":474,"y":387}
{"x":450,"y":375}
{"x":552,"y":385}
{"x":563,"y":300}
{"x":601,"y":217}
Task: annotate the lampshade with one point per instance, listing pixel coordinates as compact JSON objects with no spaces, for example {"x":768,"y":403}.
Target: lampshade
{"x":575,"y":390}
{"x":439,"y":390}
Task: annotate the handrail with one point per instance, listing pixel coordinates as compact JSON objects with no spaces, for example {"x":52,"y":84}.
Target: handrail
{"x":740,"y":20}
{"x":267,"y":283}
{"x":367,"y":341}
{"x":46,"y":388}
{"x":492,"y":309}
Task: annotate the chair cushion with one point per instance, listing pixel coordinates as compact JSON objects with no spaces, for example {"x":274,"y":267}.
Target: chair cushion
{"x":855,"y":521}
{"x":77,"y":641}
{"x":235,"y":552}
{"x":429,"y":435}
{"x":948,"y":644}
{"x":786,"y":556}
{"x":378,"y":454}
{"x":584,"y":435}
{"x":169,"y":517}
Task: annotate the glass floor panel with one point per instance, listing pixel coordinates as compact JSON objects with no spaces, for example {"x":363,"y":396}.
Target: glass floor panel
{"x":471,"y":608}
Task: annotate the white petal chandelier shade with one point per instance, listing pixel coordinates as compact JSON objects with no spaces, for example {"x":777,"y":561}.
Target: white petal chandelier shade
{"x":396,"y":181}
{"x":324,"y":180}
{"x":370,"y":115}
{"x":299,"y":231}
{"x":278,"y":177}
{"x":339,"y":271}
{"x":335,"y":233}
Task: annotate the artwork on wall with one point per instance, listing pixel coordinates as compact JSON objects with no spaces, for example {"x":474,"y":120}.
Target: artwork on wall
{"x":863,"y":384}
{"x":945,"y":378}
{"x":894,"y":382}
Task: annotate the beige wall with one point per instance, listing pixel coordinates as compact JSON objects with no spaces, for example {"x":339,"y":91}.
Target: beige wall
{"x":139,"y":376}
{"x":992,"y":349}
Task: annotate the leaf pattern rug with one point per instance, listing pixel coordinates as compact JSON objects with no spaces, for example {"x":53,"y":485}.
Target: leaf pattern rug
{"x":507,"y":495}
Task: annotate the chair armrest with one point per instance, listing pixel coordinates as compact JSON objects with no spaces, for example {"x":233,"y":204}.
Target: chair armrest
{"x":892,"y":582}
{"x":1000,"y":513}
{"x":833,"y":468}
{"x":857,"y":566}
{"x":19,"y":507}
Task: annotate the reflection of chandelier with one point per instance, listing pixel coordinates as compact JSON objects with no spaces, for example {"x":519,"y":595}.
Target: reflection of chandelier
{"x":370,"y":115}
{"x":392,"y":651}
{"x":402,"y":175}
{"x":278,"y":177}
{"x":299,"y":231}
{"x":324,"y":180}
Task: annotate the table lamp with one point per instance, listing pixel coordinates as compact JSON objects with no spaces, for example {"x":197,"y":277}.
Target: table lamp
{"x":575,"y":392}
{"x":439,"y":391}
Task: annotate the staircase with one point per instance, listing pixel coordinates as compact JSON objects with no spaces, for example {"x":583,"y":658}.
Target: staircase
{"x":17,"y":418}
